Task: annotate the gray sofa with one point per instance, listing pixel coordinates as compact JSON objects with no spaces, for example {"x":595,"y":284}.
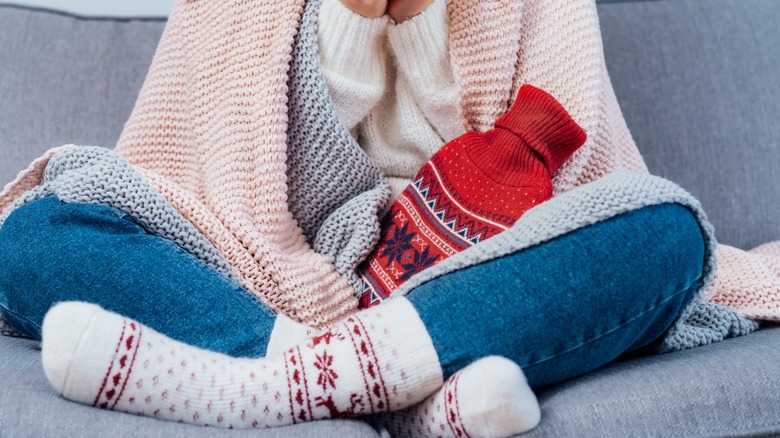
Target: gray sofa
{"x":699,"y":83}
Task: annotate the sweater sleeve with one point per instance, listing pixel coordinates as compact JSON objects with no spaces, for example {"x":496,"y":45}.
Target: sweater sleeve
{"x":421,"y":47}
{"x":353,"y":58}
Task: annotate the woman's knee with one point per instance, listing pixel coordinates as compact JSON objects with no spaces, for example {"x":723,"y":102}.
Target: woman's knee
{"x":641,"y":266}
{"x":48,"y":234}
{"x":46,"y":250}
{"x":676,"y":247}
{"x":659,"y":257}
{"x":25,"y":247}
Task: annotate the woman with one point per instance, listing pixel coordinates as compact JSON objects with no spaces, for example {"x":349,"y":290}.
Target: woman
{"x":627,"y":305}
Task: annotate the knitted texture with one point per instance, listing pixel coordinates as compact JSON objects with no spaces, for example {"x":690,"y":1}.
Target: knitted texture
{"x":750,"y":281}
{"x":373,"y":361}
{"x":770,"y":249}
{"x":475,"y":187}
{"x":617,"y":193}
{"x":317,"y":186}
{"x":488,"y":398}
{"x":93,"y":175}
{"x":335,"y":192}
{"x":561,"y":52}
{"x":485,"y":57}
{"x":209,"y":132}
{"x":352,"y":53}
{"x":392,"y":85}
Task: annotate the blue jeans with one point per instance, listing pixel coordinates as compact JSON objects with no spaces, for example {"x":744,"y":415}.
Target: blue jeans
{"x":559,"y":309}
{"x":572,"y":304}
{"x":51,"y":251}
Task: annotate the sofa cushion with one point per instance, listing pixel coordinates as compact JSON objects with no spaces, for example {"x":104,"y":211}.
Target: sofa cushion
{"x":67,"y":79}
{"x":726,"y":389}
{"x":699,"y":85}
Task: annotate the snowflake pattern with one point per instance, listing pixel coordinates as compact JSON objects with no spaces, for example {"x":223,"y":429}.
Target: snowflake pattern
{"x":401,"y":242}
{"x":326,"y":337}
{"x":420,"y":261}
{"x":327,"y":375}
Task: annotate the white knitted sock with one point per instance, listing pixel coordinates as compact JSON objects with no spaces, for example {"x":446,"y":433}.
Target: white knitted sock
{"x":489,"y":398}
{"x":287,"y":334}
{"x":377,"y":360}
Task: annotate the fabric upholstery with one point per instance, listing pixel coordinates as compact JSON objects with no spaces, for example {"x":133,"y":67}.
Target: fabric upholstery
{"x":65,"y":79}
{"x":699,"y":86}
{"x":725,"y":389}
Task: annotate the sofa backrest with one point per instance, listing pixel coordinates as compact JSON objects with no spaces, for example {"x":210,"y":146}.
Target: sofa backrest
{"x":67,"y":79}
{"x":699,"y":84}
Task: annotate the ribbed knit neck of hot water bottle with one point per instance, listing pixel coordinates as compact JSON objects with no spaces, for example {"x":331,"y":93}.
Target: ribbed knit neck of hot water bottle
{"x":536,"y":128}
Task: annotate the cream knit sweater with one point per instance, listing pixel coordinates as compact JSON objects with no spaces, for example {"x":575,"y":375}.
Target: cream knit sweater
{"x":392,"y":85}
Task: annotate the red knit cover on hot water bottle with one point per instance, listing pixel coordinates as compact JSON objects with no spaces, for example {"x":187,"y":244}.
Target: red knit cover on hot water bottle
{"x":473,"y":188}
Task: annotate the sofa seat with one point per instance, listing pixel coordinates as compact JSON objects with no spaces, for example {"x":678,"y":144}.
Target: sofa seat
{"x":726,"y":389}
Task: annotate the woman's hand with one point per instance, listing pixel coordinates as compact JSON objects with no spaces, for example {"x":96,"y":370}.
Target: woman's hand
{"x":367,"y":8}
{"x":402,"y":10}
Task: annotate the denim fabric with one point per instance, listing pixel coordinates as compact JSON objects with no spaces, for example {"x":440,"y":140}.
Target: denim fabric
{"x":570,"y":305}
{"x":51,"y":251}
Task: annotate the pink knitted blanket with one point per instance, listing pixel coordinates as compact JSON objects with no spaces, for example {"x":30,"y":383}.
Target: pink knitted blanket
{"x":209,"y":133}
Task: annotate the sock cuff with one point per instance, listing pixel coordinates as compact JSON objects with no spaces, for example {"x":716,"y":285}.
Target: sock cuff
{"x":543,"y":124}
{"x":286,"y":334}
{"x":403,"y":347}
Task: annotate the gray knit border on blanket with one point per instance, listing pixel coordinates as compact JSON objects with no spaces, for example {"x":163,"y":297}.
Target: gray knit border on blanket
{"x":335,"y":191}
{"x":699,"y":324}
{"x":7,"y":330}
{"x":94,"y":175}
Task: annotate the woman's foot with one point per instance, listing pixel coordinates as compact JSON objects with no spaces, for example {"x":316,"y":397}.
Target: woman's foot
{"x":489,"y":398}
{"x":373,"y":361}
